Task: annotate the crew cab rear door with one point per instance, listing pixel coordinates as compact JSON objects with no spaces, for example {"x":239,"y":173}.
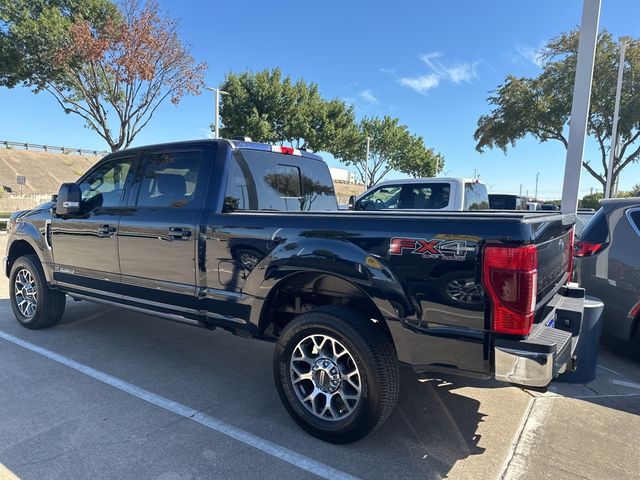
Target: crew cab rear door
{"x":158,"y":237}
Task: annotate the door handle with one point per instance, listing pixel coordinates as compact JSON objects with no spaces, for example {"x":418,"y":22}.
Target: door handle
{"x":179,"y":233}
{"x":106,"y":230}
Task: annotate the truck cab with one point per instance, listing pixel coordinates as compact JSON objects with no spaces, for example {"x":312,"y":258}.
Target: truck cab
{"x":436,"y":193}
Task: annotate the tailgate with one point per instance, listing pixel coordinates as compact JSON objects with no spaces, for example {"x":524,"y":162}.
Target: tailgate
{"x":554,"y":242}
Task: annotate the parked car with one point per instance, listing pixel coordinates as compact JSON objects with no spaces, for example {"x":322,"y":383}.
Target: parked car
{"x":506,"y":201}
{"x":247,"y":237}
{"x":534,"y":206}
{"x":607,"y":261}
{"x":582,"y":218}
{"x":550,"y":207}
{"x":438,"y":193}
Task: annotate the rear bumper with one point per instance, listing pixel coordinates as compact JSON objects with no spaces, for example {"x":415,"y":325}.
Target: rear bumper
{"x":549,"y":349}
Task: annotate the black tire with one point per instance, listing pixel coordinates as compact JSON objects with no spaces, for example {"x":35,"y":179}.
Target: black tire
{"x":50,"y":304}
{"x":369,"y":350}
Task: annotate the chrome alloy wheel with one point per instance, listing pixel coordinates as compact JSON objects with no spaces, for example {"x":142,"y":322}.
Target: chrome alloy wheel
{"x":464,"y":290}
{"x":325,"y":377}
{"x":26,"y":293}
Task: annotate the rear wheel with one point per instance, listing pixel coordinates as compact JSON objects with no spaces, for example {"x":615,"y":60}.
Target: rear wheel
{"x":34,"y":304}
{"x":336,"y":373}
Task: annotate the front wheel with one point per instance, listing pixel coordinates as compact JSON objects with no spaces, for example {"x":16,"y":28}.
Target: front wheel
{"x":336,"y":373}
{"x":34,"y":304}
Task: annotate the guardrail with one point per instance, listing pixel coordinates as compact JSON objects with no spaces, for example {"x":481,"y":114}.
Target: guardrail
{"x":51,"y":149}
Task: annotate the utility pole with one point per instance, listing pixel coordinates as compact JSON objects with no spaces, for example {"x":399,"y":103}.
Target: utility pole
{"x":216,"y":121}
{"x":520,"y":194}
{"x":580,"y":104}
{"x":366,"y":165}
{"x":609,"y":189}
{"x":537,"y":175}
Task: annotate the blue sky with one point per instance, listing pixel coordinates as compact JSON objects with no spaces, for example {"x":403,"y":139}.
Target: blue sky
{"x":430,"y":63}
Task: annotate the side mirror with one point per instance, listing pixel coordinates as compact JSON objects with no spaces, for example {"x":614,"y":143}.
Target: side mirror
{"x":352,"y":202}
{"x":69,"y":199}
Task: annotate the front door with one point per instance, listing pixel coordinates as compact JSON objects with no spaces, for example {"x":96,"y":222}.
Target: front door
{"x":158,"y":236}
{"x":84,"y":246}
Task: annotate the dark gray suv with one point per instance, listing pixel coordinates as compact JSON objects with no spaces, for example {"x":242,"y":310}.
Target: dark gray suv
{"x":607,"y":262}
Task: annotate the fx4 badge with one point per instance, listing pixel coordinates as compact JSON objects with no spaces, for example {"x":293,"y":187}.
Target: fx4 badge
{"x":443,"y":249}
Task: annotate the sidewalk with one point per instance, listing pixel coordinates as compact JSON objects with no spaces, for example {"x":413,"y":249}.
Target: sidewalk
{"x":582,"y":431}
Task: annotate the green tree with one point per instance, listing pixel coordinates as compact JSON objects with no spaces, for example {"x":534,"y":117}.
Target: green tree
{"x":591,"y":201}
{"x":392,"y":147}
{"x":33,"y":31}
{"x":541,"y":106}
{"x":419,"y":161}
{"x":271,"y":108}
{"x":116,"y":75}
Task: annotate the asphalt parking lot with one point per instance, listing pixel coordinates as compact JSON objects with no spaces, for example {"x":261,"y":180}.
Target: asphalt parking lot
{"x":114,"y":394}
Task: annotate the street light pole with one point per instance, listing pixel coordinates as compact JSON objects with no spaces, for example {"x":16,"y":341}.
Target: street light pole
{"x":580,"y":104}
{"x":366,"y":163}
{"x":216,"y":122}
{"x":537,"y":175}
{"x":608,"y":193}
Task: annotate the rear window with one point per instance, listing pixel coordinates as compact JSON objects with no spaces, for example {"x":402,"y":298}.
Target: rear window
{"x":597,"y":229}
{"x":502,"y":202}
{"x":475,"y":196}
{"x":430,"y":196}
{"x":634,"y":218}
{"x":261,"y":180}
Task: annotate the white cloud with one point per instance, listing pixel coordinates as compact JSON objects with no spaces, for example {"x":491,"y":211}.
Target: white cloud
{"x":389,"y":71}
{"x":368,"y":96}
{"x":421,"y":84}
{"x":533,"y":55}
{"x":458,"y":73}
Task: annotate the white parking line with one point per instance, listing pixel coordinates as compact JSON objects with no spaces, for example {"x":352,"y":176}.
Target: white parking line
{"x":264,"y":445}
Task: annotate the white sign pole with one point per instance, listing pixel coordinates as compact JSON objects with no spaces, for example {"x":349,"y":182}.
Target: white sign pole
{"x":580,"y":106}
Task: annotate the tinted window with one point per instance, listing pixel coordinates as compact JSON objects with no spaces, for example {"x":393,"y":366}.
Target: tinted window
{"x":503,"y":202}
{"x":104,"y":186}
{"x":381,"y":198}
{"x":169,"y":179}
{"x":475,"y":196}
{"x":634,"y":216}
{"x":597,"y":229}
{"x":431,"y":196}
{"x":261,"y":180}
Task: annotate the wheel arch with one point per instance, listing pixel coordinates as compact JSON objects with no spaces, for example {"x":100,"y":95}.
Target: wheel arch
{"x":303,"y":291}
{"x":19,"y":248}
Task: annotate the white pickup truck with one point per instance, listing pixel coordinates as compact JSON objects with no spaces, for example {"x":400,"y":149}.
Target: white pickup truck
{"x":436,"y":193}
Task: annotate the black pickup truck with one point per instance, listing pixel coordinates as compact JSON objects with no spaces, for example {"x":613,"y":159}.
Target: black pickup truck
{"x":248,"y":237}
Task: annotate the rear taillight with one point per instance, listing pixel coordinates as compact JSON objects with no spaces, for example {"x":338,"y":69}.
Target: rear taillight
{"x":510,"y":276}
{"x":569,"y":253}
{"x":587,"y":249}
